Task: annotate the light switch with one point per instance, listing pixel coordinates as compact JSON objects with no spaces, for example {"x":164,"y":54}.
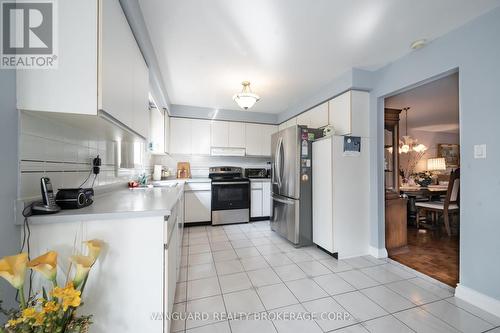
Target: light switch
{"x":479,"y":151}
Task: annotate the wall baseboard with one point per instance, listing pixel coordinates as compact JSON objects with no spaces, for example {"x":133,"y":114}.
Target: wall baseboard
{"x":478,"y":299}
{"x":378,"y":253}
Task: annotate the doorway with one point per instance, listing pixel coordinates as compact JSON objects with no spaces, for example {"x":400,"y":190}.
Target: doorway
{"x":422,"y":178}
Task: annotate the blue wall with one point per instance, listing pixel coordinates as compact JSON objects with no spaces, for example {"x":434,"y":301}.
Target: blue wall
{"x":9,"y":234}
{"x":473,"y":49}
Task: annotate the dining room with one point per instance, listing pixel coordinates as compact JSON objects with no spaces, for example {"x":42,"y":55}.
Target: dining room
{"x":422,"y":178}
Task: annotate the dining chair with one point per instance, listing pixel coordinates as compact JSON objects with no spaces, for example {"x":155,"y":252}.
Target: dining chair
{"x":450,"y":205}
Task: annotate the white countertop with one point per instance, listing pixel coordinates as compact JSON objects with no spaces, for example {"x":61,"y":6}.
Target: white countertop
{"x":122,"y":203}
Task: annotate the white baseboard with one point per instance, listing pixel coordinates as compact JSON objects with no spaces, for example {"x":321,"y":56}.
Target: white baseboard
{"x":378,"y":253}
{"x":478,"y":299}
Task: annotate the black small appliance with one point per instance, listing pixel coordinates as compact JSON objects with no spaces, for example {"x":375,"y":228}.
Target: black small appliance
{"x":74,"y":198}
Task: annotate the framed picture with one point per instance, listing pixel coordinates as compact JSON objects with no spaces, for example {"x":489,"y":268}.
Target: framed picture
{"x":451,"y":154}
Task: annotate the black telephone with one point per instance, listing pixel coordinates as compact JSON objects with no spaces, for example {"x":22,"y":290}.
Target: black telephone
{"x":48,"y":205}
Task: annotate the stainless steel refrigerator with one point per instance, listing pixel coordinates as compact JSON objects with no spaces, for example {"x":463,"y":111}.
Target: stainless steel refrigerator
{"x":291,"y":179}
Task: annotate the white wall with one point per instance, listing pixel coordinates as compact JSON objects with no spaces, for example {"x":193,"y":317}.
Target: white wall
{"x":9,"y":234}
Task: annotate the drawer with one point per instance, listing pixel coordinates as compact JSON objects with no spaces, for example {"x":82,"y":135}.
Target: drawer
{"x":255,"y":185}
{"x":198,"y":187}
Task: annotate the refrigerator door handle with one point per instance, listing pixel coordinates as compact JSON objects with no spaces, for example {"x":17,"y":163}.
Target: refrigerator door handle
{"x":278,"y":162}
{"x":282,"y":153}
{"x":284,"y":201}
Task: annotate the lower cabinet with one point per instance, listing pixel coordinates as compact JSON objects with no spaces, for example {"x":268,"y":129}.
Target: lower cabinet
{"x":260,"y":200}
{"x":198,"y":202}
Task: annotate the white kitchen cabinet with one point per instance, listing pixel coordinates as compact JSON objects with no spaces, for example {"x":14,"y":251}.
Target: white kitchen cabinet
{"x":198,"y":202}
{"x":200,"y":137}
{"x":348,"y":113}
{"x":157,"y":136}
{"x":72,"y":87}
{"x":220,"y":134}
{"x":167,"y":133}
{"x":317,"y":117}
{"x":266,"y":198}
{"x":180,"y":136}
{"x":106,"y":71}
{"x":258,"y":139}
{"x":267,"y":132}
{"x":253,"y":139}
{"x":260,"y":201}
{"x":341,"y":222}
{"x":236,"y":135}
{"x":256,"y":201}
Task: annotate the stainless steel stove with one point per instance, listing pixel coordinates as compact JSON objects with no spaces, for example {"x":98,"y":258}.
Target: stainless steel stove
{"x":230,"y":195}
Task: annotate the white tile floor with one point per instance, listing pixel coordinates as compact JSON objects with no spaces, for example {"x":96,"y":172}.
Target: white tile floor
{"x":248,"y":269}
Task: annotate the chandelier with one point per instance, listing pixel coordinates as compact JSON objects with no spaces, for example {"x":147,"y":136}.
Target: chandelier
{"x":246,"y":99}
{"x":409,"y":144}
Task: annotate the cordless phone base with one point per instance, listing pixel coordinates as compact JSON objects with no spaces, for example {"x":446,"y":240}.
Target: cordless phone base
{"x":39,"y":208}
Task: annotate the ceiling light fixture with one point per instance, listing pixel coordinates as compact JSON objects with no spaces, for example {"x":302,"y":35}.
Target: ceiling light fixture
{"x":409,"y":144}
{"x":246,"y":99}
{"x":418,"y":44}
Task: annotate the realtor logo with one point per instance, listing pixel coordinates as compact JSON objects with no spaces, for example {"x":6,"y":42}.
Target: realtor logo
{"x":28,"y":34}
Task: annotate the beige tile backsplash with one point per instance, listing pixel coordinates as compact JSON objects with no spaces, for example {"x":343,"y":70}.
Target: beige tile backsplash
{"x":64,"y":154}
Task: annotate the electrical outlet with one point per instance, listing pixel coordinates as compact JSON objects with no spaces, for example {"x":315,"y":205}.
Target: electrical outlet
{"x":480,"y":151}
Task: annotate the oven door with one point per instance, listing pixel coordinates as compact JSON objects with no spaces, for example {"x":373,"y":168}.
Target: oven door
{"x":230,"y":195}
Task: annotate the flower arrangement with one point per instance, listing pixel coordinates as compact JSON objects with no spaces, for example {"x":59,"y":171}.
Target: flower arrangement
{"x":54,"y":310}
{"x":423,"y":179}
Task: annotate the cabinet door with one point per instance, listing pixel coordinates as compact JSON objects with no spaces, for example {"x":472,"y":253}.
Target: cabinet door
{"x":180,"y":136}
{"x":253,"y":140}
{"x":267,"y":131}
{"x":360,"y":109}
{"x":322,"y":186}
{"x":318,"y":117}
{"x":118,"y":57}
{"x":140,"y":112}
{"x":266,"y":199}
{"x":167,"y":133}
{"x":304,"y":119}
{"x":236,"y":135}
{"x":256,"y":203}
{"x":340,"y":114}
{"x":198,"y":206}
{"x":157,"y":137}
{"x":72,"y":87}
{"x":200,"y":137}
{"x":220,"y":134}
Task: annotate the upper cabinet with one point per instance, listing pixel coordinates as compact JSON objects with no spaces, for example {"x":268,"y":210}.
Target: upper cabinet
{"x":220,"y":134}
{"x":258,"y":139}
{"x":157,"y":133}
{"x":236,"y":137}
{"x":200,"y":137}
{"x":72,"y":87}
{"x":349,"y":113}
{"x":317,"y":117}
{"x":105,"y":71}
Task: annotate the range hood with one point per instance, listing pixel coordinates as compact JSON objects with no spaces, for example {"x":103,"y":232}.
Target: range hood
{"x":219,"y":151}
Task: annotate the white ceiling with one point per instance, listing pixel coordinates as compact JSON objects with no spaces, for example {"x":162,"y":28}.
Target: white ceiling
{"x":288,"y":49}
{"x":434,"y":107}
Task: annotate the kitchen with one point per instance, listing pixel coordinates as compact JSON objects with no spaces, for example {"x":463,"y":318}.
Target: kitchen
{"x":257,"y":203}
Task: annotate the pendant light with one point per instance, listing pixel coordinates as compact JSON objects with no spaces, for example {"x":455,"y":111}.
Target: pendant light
{"x":246,"y":99}
{"x":408,"y":144}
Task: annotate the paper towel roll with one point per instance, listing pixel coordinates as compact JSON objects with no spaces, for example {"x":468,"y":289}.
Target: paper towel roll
{"x":157,"y":172}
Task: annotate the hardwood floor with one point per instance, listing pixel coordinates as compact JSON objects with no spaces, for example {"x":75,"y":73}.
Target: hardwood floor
{"x":432,"y":253}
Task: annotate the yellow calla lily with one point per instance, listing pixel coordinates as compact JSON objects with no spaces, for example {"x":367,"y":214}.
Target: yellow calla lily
{"x":46,"y":265}
{"x":95,"y":246}
{"x":13,"y":269}
{"x":83,"y":265}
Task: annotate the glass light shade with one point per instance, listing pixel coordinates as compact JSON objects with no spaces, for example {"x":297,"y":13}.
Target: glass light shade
{"x":436,"y":164}
{"x":420,"y":148}
{"x":246,"y":100}
{"x":405,"y":149}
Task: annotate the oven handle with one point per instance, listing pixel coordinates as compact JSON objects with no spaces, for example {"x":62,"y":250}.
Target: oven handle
{"x":230,"y":183}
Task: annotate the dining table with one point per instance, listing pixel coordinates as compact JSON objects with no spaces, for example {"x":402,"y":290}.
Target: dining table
{"x":421,"y":193}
